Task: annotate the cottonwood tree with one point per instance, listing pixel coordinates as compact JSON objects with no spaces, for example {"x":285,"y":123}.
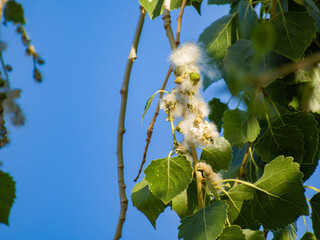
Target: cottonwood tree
{"x":250,"y":181}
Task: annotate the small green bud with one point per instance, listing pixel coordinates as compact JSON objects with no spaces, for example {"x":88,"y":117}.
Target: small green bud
{"x":179,"y":80}
{"x":195,"y":78}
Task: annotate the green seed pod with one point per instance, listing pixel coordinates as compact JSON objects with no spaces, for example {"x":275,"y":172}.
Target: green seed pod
{"x":195,"y":76}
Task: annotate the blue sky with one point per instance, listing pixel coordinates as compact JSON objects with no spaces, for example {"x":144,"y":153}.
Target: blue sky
{"x":64,"y":158}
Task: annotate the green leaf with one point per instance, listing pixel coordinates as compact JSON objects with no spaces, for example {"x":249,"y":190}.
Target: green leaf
{"x":239,"y":208}
{"x":295,"y":32}
{"x":155,"y":7}
{"x":219,"y":36}
{"x":217,"y":109}
{"x":240,"y":127}
{"x":241,"y":63}
{"x":248,"y":19}
{"x":309,"y":236}
{"x":289,"y":233}
{"x":232,"y":233}
{"x":277,"y":92}
{"x":220,"y":2}
{"x":253,"y":235}
{"x":218,"y":155}
{"x":308,"y":127}
{"x":308,"y":170}
{"x":315,"y":215}
{"x":149,"y":102}
{"x":206,"y":224}
{"x":7,"y":196}
{"x":313,"y":10}
{"x":168,"y":177}
{"x":14,"y":13}
{"x":143,"y":199}
{"x":186,"y":202}
{"x":280,"y":200}
{"x":278,"y":140}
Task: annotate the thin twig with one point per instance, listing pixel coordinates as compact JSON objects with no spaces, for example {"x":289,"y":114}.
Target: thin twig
{"x":265,"y":233}
{"x":179,"y":22}
{"x":150,"y":128}
{"x":151,"y":125}
{"x":242,"y":171}
{"x":198,"y":176}
{"x":167,"y":26}
{"x":121,"y":129}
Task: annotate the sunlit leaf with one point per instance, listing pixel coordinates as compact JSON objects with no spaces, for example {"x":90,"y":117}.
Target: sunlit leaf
{"x":253,"y":235}
{"x":144,"y":200}
{"x":308,"y":236}
{"x":219,"y":36}
{"x":288,"y":233}
{"x":239,"y":207}
{"x":206,"y":224}
{"x":186,"y":202}
{"x":281,"y":199}
{"x":168,"y":177}
{"x":232,"y":233}
{"x":240,"y":126}
{"x":155,"y":7}
{"x":218,"y":155}
{"x":149,"y":102}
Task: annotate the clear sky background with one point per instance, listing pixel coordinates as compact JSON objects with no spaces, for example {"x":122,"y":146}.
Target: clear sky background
{"x":64,"y":159}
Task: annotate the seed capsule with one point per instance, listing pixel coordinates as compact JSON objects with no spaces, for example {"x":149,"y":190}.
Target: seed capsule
{"x":179,"y":80}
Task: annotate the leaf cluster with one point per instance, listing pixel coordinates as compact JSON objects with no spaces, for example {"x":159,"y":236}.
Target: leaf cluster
{"x":270,"y":147}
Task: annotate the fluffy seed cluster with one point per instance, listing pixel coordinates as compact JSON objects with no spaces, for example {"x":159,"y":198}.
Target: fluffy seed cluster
{"x":213,"y":177}
{"x":185,"y":100}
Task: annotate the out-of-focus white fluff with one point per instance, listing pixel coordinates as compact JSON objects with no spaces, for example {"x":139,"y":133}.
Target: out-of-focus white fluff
{"x":186,"y":54}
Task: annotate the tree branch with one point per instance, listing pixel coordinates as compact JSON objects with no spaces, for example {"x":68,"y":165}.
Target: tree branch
{"x":167,"y":26}
{"x":151,"y":125}
{"x":150,"y":128}
{"x":121,"y":129}
{"x":179,"y":21}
